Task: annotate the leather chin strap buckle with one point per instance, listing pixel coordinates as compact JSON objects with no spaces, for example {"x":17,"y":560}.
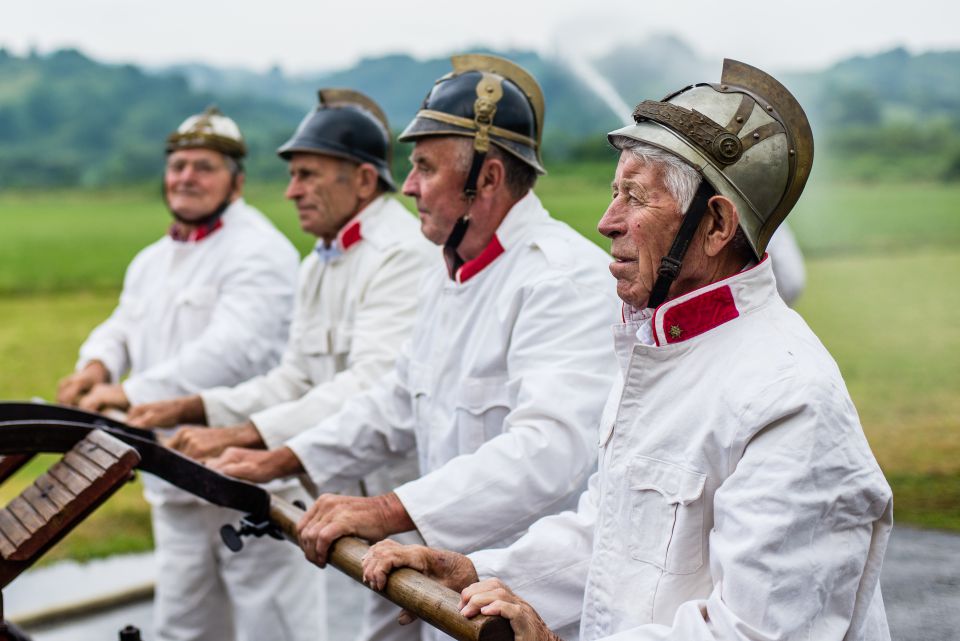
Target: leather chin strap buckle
{"x":669,"y":268}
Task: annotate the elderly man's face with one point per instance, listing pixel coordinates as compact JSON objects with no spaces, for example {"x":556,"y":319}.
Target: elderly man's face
{"x":436,"y":182}
{"x":324,"y":191}
{"x":196,"y":182}
{"x":641,"y":222}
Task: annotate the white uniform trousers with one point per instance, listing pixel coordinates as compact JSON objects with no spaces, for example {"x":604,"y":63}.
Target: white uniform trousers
{"x":276,"y":594}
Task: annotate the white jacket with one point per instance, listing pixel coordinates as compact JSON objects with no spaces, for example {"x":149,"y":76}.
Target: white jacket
{"x":194,"y":315}
{"x":504,"y":375}
{"x":351,"y":316}
{"x":736,"y":496}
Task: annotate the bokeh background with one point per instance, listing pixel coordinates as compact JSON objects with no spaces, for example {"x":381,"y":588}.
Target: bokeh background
{"x":89,"y":91}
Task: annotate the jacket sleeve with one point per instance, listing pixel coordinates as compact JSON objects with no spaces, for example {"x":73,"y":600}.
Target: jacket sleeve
{"x":548,"y":566}
{"x":800,"y":527}
{"x":245,"y":334}
{"x":108,"y":341}
{"x":560,"y":362}
{"x":384,"y":320}
{"x":371,"y":428}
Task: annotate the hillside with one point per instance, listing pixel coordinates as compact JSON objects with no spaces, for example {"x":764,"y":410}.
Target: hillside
{"x":66,"y":119}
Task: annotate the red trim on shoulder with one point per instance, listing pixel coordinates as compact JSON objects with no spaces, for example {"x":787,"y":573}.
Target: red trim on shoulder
{"x":473,"y":267}
{"x":350,"y":235}
{"x":699,"y":314}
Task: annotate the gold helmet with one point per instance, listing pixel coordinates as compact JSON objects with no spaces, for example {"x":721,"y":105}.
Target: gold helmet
{"x":748,"y":137}
{"x":209,"y":130}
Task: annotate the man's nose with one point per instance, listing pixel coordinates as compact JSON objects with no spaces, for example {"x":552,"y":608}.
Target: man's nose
{"x":611,"y":223}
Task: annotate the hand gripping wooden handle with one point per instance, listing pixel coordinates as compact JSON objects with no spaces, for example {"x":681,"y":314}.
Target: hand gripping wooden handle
{"x":436,"y":604}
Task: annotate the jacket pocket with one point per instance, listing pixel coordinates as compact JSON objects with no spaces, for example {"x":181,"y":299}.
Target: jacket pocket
{"x":666,"y":515}
{"x":195,"y":308}
{"x":324,"y":345}
{"x":482,"y":404}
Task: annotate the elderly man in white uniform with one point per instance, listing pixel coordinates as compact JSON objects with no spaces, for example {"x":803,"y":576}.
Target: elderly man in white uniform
{"x":508,"y":365}
{"x":208,"y":305}
{"x":736,"y":497}
{"x":355,"y":304}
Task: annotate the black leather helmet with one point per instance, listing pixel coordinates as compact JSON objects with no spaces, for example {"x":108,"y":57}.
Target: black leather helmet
{"x":489,"y":99}
{"x":345,"y":124}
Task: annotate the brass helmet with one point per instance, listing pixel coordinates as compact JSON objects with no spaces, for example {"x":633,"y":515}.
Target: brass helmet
{"x":209,"y":130}
{"x":345,"y":124}
{"x":489,"y":99}
{"x":748,"y":137}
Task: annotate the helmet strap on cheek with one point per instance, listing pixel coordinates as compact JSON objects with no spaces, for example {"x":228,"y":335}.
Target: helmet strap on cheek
{"x":671,"y":264}
{"x":451,"y":256}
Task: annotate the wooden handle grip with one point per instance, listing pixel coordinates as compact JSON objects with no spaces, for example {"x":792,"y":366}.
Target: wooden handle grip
{"x":436,"y":604}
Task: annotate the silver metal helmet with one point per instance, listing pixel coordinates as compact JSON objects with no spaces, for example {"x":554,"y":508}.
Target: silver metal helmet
{"x":748,"y":136}
{"x":209,"y":130}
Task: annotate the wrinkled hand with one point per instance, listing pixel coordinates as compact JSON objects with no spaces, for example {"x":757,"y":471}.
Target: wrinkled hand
{"x":167,"y":413}
{"x":72,"y":388}
{"x":104,"y":396}
{"x":449,"y":568}
{"x":257,"y":466}
{"x":493,"y":598}
{"x":200,"y":442}
{"x":332,"y":516}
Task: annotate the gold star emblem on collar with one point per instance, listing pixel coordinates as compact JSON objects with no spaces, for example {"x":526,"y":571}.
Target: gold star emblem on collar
{"x":675,"y":331}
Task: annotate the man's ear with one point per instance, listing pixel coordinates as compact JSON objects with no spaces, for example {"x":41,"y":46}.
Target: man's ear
{"x":366,"y":180}
{"x":492,"y":175}
{"x":237,"y":188}
{"x":720,"y":223}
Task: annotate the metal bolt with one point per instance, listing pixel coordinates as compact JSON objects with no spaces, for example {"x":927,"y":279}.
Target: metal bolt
{"x":769,"y":107}
{"x":756,"y":136}
{"x":739,"y":118}
{"x":792,"y":152}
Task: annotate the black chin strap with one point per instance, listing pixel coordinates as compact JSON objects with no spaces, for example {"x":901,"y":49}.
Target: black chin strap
{"x":671,"y":263}
{"x":450,"y":255}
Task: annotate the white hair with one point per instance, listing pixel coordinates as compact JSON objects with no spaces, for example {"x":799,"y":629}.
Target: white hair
{"x":679,"y":177}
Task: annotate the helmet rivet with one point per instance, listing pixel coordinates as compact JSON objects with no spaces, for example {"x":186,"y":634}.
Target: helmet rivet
{"x":793,"y":152}
{"x":769,"y":107}
{"x":756,"y":136}
{"x":739,"y":118}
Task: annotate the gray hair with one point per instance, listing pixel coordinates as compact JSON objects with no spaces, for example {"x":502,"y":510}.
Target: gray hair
{"x":679,"y":177}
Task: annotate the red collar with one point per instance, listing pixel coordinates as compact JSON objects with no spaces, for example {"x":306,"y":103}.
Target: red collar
{"x":196,"y":234}
{"x":349,"y":235}
{"x":711,"y":306}
{"x":473,"y":267}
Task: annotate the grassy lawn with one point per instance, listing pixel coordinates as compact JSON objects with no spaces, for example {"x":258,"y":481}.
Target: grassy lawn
{"x":879,"y":294}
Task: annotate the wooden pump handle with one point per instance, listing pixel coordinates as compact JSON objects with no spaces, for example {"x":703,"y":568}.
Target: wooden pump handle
{"x":436,"y":604}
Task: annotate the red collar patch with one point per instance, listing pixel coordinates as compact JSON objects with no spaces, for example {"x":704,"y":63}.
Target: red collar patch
{"x":350,"y":235}
{"x":473,"y":267}
{"x":196,"y":234}
{"x":693,"y":317}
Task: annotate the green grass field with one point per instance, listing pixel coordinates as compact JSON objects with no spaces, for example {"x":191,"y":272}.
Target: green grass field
{"x":880,"y":294}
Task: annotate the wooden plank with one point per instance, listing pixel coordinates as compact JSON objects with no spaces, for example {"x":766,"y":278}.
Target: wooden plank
{"x":25,"y":513}
{"x":82,"y":466}
{"x":97,"y":455}
{"x":73,"y":481}
{"x":113,"y":445}
{"x":6,"y":546}
{"x":12,"y":528}
{"x":40,"y":502}
{"x":54,"y":490}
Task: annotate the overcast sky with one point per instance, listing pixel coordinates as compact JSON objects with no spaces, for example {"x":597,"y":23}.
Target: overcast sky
{"x":305,"y":35}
